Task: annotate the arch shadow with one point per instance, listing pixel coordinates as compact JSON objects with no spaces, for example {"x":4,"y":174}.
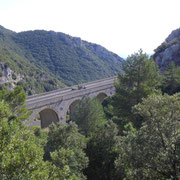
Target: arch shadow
{"x":101,"y":96}
{"x":48,"y":116}
{"x":70,"y":111}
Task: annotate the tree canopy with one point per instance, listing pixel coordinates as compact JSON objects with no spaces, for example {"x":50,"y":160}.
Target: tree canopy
{"x":89,"y":116}
{"x":171,"y":79}
{"x":136,"y":135}
{"x":65,"y":149}
{"x":140,"y":78}
{"x":153,"y":152}
{"x":20,"y":155}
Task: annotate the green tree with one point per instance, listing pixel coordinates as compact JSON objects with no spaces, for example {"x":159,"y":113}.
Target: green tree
{"x":21,"y":157}
{"x":16,"y":101}
{"x":108,"y":108}
{"x":22,"y":147}
{"x":61,"y":160}
{"x":102,"y":152}
{"x":65,"y":149}
{"x":153,"y":152}
{"x":89,"y":116}
{"x":101,"y":138}
{"x":140,"y":78}
{"x":171,"y":79}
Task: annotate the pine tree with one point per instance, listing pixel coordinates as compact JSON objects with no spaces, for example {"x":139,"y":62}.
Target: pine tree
{"x":140,"y":79}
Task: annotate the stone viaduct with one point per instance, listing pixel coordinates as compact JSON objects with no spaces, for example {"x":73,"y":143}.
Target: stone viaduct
{"x":53,"y":106}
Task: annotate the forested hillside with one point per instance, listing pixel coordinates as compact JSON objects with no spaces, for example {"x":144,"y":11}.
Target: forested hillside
{"x":46,"y":60}
{"x":134,"y":135}
{"x":14,"y":65}
{"x":69,"y":59}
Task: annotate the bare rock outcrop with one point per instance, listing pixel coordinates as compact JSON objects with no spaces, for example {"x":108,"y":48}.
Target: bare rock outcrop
{"x":169,"y":50}
{"x":8,"y":76}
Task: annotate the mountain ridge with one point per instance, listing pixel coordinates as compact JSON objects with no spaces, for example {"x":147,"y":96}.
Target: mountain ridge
{"x":61,"y":58}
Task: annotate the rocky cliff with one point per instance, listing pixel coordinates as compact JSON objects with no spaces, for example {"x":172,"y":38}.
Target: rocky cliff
{"x":169,"y":50}
{"x":9,"y":76}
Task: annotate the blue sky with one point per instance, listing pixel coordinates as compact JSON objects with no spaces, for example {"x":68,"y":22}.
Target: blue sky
{"x":122,"y":26}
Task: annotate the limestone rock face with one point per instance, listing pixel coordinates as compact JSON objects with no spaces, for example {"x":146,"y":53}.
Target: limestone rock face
{"x":8,"y":76}
{"x":102,"y":52}
{"x":173,"y":35}
{"x":169,"y":50}
{"x":98,"y":50}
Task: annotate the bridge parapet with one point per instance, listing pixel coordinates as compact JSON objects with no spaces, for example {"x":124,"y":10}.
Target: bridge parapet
{"x":59,"y":101}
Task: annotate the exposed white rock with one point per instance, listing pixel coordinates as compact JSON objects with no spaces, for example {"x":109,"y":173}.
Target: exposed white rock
{"x":8,"y":76}
{"x":168,"y":51}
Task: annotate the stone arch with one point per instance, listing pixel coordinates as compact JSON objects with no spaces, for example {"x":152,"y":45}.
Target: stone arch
{"x":48,"y":116}
{"x":101,"y":96}
{"x":71,"y":108}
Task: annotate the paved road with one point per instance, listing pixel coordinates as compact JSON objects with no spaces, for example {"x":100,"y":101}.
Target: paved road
{"x":52,"y":94}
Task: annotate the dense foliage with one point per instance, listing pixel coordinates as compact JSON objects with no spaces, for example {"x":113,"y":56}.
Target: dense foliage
{"x":69,"y":59}
{"x":101,"y":137}
{"x":48,"y":60}
{"x":171,"y":79}
{"x":102,"y":152}
{"x":89,"y":116}
{"x":21,"y":157}
{"x":34,"y":79}
{"x":153,"y":152}
{"x":140,"y":79}
{"x":136,"y":135}
{"x":65,"y":147}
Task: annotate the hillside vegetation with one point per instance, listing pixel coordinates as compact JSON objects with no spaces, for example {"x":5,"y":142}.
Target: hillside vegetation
{"x":48,"y":60}
{"x":135,"y":135}
{"x":34,"y":79}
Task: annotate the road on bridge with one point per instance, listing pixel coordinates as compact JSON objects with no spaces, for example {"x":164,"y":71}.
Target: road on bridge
{"x":65,"y":91}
